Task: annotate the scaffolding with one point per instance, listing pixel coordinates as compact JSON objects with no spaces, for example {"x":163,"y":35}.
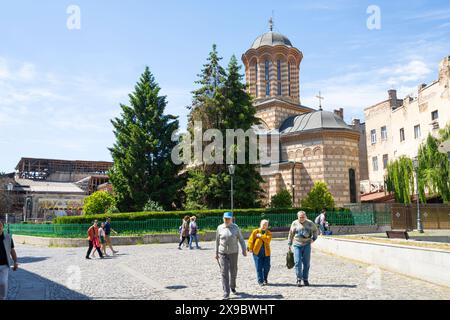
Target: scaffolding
{"x":41,"y":169}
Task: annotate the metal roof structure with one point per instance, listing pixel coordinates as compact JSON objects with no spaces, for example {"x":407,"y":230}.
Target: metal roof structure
{"x":312,"y":121}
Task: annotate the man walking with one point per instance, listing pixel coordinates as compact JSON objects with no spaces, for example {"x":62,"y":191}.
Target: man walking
{"x":93,"y":240}
{"x":8,"y":257}
{"x":108,"y":231}
{"x":228,"y":238}
{"x":302,"y":234}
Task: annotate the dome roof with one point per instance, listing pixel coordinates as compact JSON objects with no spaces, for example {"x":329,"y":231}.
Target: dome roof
{"x":313,"y":121}
{"x":271,"y":39}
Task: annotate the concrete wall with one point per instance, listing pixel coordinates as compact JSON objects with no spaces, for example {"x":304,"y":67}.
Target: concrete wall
{"x":425,"y":264}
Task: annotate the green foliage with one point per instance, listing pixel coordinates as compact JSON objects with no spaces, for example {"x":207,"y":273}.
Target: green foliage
{"x":400,"y":179}
{"x":139,"y":216}
{"x":319,"y":197}
{"x":222,"y":103}
{"x":152,"y":206}
{"x":434,"y":173}
{"x":143,"y":168}
{"x":282,"y":199}
{"x":97,"y":203}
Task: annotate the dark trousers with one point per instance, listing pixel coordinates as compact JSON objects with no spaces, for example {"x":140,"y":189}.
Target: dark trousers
{"x":183,"y":239}
{"x":91,"y":246}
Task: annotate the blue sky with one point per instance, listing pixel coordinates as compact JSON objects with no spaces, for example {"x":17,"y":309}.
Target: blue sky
{"x":59,"y":88}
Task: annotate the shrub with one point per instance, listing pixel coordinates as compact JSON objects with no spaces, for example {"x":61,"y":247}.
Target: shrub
{"x":319,"y":197}
{"x":152,"y":206}
{"x":97,"y":203}
{"x":282,"y":199}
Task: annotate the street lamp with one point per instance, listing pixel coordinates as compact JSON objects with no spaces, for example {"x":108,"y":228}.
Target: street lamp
{"x":416,"y":169}
{"x":9,"y":188}
{"x":231,"y":169}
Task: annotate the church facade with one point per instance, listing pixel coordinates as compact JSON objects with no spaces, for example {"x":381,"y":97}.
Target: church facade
{"x":316,"y":145}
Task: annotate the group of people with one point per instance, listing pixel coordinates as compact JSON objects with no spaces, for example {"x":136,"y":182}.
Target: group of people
{"x":189,"y":232}
{"x":100,"y":237}
{"x":302,"y":234}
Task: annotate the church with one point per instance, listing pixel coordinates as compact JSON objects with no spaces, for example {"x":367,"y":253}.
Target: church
{"x":316,"y":145}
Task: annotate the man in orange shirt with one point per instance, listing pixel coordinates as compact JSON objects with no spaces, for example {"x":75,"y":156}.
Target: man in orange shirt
{"x":93,"y":238}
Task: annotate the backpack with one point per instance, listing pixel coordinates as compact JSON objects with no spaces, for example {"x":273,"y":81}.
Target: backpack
{"x":317,"y":220}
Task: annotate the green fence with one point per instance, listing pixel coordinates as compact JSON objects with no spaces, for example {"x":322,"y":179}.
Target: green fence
{"x":206,"y":223}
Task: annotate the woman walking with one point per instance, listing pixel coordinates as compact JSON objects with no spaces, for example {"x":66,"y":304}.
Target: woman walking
{"x":259,"y":245}
{"x":193,"y":229}
{"x":184,"y":232}
{"x":93,"y":239}
{"x":102,"y":237}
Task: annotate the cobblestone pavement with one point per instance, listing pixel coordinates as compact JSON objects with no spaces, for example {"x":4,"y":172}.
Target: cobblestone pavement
{"x":161,"y":271}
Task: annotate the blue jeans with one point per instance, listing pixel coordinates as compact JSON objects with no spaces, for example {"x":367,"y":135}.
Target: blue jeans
{"x":302,"y":258}
{"x":262,"y":264}
{"x":193,"y":237}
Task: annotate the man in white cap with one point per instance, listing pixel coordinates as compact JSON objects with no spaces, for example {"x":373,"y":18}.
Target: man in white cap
{"x":228,"y":238}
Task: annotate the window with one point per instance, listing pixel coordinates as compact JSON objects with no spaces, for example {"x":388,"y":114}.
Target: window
{"x":375,"y":163}
{"x":434,"y":115}
{"x":256,"y":79}
{"x":383,"y":133}
{"x":289,"y":78}
{"x":267,"y":78}
{"x":402,"y":134}
{"x":373,"y":136}
{"x":352,"y":184}
{"x":417,"y":131}
{"x":279,"y":77}
{"x":385,"y":161}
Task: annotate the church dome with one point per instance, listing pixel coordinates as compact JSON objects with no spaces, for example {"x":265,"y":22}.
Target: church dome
{"x":271,"y":39}
{"x":313,"y":121}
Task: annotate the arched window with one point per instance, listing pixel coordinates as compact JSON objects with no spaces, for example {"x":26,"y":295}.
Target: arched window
{"x":289,"y":78}
{"x":267,"y":77}
{"x":279,"y":77}
{"x":352,"y":184}
{"x":256,"y":79}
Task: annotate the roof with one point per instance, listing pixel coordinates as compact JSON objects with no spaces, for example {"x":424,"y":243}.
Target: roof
{"x":48,"y":187}
{"x":312,"y":121}
{"x":271,"y":39}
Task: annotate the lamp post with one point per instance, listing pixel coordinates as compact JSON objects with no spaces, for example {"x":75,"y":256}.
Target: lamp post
{"x":9,"y":188}
{"x":416,"y":169}
{"x":231,"y":169}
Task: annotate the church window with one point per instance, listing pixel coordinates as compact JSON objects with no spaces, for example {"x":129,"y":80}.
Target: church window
{"x":267,"y":78}
{"x":279,"y":77}
{"x":352,"y":182}
{"x":256,"y":79}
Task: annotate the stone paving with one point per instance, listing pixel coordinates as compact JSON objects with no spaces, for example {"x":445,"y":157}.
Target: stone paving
{"x":161,"y":271}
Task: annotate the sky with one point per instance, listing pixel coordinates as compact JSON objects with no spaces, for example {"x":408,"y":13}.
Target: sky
{"x":60,"y":86}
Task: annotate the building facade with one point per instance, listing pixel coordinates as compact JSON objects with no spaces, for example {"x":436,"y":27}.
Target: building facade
{"x":397,"y":127}
{"x":315,"y":145}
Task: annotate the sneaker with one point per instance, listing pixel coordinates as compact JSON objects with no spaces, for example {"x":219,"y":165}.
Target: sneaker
{"x":299,"y":283}
{"x":179,"y":248}
{"x":233,"y":291}
{"x":265,"y":283}
{"x":226,"y":297}
{"x":306,"y":283}
{"x":261,"y":284}
{"x":88,"y":258}
{"x":115,"y":251}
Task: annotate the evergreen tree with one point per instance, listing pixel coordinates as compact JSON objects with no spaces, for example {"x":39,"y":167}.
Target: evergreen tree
{"x":143,"y":169}
{"x":319,"y":197}
{"x":223,"y":103}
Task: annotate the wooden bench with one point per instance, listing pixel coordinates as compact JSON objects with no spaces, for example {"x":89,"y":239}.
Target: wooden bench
{"x":397,"y":235}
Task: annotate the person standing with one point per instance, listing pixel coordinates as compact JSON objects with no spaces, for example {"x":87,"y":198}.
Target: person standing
{"x":193,"y":232}
{"x":259,"y":245}
{"x":302,"y":234}
{"x":108,"y":231}
{"x":93,"y":238}
{"x":8,"y":258}
{"x":228,"y":239}
{"x":321,"y":221}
